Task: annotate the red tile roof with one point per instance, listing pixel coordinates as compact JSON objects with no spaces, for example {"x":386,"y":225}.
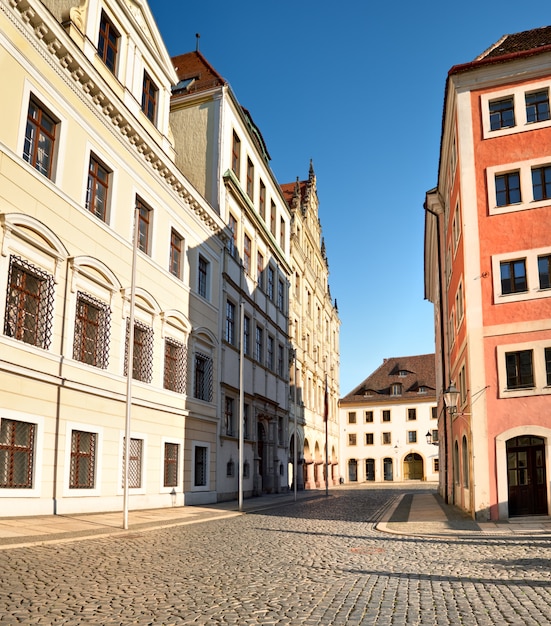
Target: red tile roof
{"x":519,"y":42}
{"x":193,"y":65}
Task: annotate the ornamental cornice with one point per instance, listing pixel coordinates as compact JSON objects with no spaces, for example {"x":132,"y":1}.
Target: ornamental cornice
{"x":51,"y":40}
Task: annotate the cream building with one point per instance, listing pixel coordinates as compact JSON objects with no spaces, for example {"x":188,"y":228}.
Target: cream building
{"x":314,"y":327}
{"x":85,"y":148}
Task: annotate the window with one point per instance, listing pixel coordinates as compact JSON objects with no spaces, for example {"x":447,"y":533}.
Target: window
{"x":351,"y":439}
{"x":246,"y":334}
{"x":368,"y":439}
{"x":544,"y":271}
{"x":260,"y":270}
{"x":203,"y":277}
{"x":83,"y":460}
{"x":262,"y":200}
{"x":144,"y":219}
{"x":434,"y":435}
{"x":465,"y":461}
{"x":200,"y":463}
{"x":412,"y":436}
{"x":247,"y":254}
{"x":537,"y":106}
{"x":386,"y":415}
{"x":176,"y":249}
{"x":507,"y":188}
{"x":352,"y":417}
{"x":434,"y":412}
{"x":92,"y":326}
{"x":412,"y":414}
{"x":246,"y":409}
{"x":230,"y":468}
{"x":280,"y":295}
{"x":203,"y":377}
{"x":270,"y":353}
{"x":280,"y":361}
{"x":541,"y":182}
{"x":174,"y":378}
{"x":142,"y":357}
{"x":368,"y":417}
{"x":548,"y":365}
{"x":435,"y":465}
{"x":97,"y":189}
{"x":29,"y":304}
{"x":396,"y":389}
{"x":459,"y":304}
{"x":282,"y":233}
{"x":40,"y":137}
{"x":229,"y":417}
{"x":258,"y":344}
{"x":170,"y":470}
{"x":513,"y":276}
{"x":135,"y":463}
{"x":272,"y":217}
{"x":270,"y":281}
{"x":16,"y":454}
{"x":250,"y":179}
{"x":230,"y":322}
{"x":236,"y":155}
{"x":387,"y":438}
{"x":502,"y":113}
{"x":520,"y":373}
{"x":108,"y":42}
{"x":150,"y":93}
{"x":232,"y":243}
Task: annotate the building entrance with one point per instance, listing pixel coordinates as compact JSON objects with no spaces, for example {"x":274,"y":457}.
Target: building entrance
{"x":413,"y":467}
{"x":526,"y":476}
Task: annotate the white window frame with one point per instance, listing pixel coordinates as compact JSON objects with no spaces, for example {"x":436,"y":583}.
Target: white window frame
{"x":194,"y":445}
{"x":179,"y":471}
{"x":532,"y":275}
{"x":132,"y":490}
{"x":96,"y":490}
{"x":540,"y":377}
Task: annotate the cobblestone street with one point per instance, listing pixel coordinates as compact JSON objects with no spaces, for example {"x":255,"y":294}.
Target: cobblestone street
{"x":317,"y":561}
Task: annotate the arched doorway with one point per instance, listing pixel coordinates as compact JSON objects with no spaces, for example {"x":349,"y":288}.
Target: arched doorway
{"x":526,"y":478}
{"x":370,"y":469}
{"x":413,"y":467}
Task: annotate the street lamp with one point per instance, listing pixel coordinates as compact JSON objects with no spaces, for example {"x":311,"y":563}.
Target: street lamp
{"x":451,"y":396}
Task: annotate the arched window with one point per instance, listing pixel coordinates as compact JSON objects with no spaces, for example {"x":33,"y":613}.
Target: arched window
{"x":465,"y":459}
{"x":456,"y":463}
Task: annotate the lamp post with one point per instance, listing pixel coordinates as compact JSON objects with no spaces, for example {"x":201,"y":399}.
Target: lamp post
{"x":451,"y":396}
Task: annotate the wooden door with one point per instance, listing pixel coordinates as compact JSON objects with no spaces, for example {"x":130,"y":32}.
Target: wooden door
{"x":526,"y":476}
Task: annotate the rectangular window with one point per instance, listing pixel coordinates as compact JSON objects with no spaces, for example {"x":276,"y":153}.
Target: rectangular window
{"x":434,"y":412}
{"x":135,"y":463}
{"x":203,"y":277}
{"x":270,"y":353}
{"x":247,"y":254}
{"x":259,"y":339}
{"x":507,"y":188}
{"x":386,"y":415}
{"x":351,"y":439}
{"x":170,"y":473}
{"x":174,"y":377}
{"x":280,"y":295}
{"x":280,"y":361}
{"x":387,"y":438}
{"x":502,"y":113}
{"x":232,"y":243}
{"x":203,"y":377}
{"x":142,"y":357}
{"x":200,"y":466}
{"x":40,"y":138}
{"x":352,"y":417}
{"x":537,"y":106}
{"x":230,"y":322}
{"x":83,"y":460}
{"x":412,"y":414}
{"x":544,"y":271}
{"x":108,"y":42}
{"x":229,"y":417}
{"x":260,"y":270}
{"x":246,"y":334}
{"x":250,"y":179}
{"x":97,"y":189}
{"x":144,"y":221}
{"x":541,"y":182}
{"x":412,"y":436}
{"x":369,"y":417}
{"x":92,"y":326}
{"x":435,"y":465}
{"x":548,"y":365}
{"x":282,"y":233}
{"x":272,"y":217}
{"x":270,"y":285}
{"x":150,"y":94}
{"x":262,"y":200}
{"x":16,"y":454}
{"x":176,"y":253}
{"x":368,"y":439}
{"x":29,"y":304}
{"x":513,"y":276}
{"x":434,"y":435}
{"x":520,"y":373}
{"x":236,"y":155}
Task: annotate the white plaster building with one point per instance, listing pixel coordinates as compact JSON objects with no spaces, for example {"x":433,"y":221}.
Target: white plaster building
{"x":389,"y":423}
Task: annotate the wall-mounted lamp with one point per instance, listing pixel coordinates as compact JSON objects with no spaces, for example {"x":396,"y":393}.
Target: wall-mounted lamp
{"x":430,"y":440}
{"x":451,"y":395}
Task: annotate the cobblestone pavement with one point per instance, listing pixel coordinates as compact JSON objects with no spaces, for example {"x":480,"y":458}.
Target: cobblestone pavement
{"x":316,"y":561}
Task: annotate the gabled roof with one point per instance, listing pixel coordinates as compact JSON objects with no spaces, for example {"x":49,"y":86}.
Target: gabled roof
{"x":195,"y":73}
{"x":412,"y":372}
{"x":519,"y":42}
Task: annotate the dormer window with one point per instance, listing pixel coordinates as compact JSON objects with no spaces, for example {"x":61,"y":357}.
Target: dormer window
{"x":422,"y":389}
{"x":402,"y":373}
{"x":396,"y":389}
{"x":149,"y":97}
{"x":108,"y":42}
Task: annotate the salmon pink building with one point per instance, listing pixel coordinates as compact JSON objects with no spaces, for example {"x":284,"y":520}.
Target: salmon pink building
{"x":488,"y":273}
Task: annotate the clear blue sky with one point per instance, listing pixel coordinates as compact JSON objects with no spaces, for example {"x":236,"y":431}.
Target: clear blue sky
{"x":357,"y":87}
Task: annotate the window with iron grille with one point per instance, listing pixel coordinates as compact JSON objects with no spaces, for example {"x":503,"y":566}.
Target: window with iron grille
{"x":200,"y":466}
{"x":92,"y":327}
{"x":108,"y":42}
{"x":40,"y":138}
{"x":97,"y":189}
{"x":175,"y":366}
{"x":16,"y":454}
{"x":134,"y":463}
{"x":29,"y":304}
{"x":150,"y":93}
{"x":142,"y":366}
{"x":83,"y":460}
{"x":203,"y":377}
{"x":171,"y":465}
